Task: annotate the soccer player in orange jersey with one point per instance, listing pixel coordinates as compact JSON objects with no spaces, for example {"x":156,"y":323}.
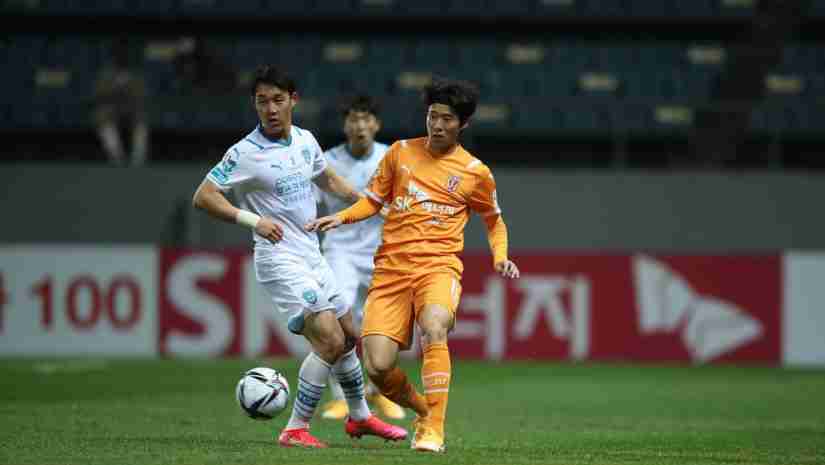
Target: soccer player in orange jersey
{"x":429,"y":185}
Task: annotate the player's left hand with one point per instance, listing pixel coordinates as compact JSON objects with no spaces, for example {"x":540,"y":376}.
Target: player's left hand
{"x":507,"y":269}
{"x":325,"y":223}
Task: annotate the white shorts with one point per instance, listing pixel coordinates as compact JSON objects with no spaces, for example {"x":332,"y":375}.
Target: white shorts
{"x":298,"y":285}
{"x":354,"y":275}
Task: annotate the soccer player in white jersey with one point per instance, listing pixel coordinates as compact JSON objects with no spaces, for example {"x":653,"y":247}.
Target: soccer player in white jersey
{"x":350,"y":251}
{"x":271,"y":171}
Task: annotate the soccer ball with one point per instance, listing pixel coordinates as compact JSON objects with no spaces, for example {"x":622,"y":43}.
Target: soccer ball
{"x":262,"y":393}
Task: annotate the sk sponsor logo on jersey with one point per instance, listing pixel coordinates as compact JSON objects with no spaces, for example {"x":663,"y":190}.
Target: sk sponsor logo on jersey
{"x":452,"y":182}
{"x":307,"y":156}
{"x":414,"y":194}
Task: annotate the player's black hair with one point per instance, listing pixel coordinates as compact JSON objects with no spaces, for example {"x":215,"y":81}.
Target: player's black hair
{"x":273,"y":76}
{"x":360,"y":102}
{"x":460,"y":96}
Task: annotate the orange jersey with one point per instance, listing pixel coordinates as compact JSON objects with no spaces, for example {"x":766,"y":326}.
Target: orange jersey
{"x":429,"y":201}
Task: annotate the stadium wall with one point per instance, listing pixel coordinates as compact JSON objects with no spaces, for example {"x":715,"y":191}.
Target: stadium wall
{"x":147,"y":301}
{"x":684,"y":212}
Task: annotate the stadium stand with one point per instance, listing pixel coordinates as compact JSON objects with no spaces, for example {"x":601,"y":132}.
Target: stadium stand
{"x":535,"y":84}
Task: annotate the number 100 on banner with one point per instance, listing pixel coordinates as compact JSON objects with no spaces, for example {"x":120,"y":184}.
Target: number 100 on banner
{"x":79,"y":300}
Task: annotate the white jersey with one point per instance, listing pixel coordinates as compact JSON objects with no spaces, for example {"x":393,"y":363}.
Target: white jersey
{"x":273,"y":178}
{"x":363,"y":237}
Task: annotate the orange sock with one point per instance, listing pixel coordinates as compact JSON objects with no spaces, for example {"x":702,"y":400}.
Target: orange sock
{"x":435,"y":374}
{"x":397,"y":388}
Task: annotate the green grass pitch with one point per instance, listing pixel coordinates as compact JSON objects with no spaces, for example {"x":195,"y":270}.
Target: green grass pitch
{"x":183,"y":412}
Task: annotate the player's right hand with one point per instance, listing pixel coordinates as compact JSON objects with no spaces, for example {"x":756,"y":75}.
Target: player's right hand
{"x":268,"y":229}
{"x":324,"y":223}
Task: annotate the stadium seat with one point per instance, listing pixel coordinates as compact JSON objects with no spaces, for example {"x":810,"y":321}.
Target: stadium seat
{"x":420,"y":7}
{"x":333,"y":7}
{"x":737,"y":8}
{"x":510,"y":8}
{"x":817,"y":8}
{"x":610,"y":8}
{"x":553,"y":8}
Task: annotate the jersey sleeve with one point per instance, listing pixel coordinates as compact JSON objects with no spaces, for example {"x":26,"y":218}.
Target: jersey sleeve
{"x":230,"y":171}
{"x":319,"y":161}
{"x":379,"y":188}
{"x":483,"y":200}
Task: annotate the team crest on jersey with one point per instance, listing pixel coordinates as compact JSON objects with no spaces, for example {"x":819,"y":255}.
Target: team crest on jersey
{"x":307,"y":156}
{"x":452,"y":182}
{"x":310,"y":296}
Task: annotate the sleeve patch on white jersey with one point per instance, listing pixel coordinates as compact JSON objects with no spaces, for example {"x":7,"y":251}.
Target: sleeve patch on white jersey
{"x":372,"y":195}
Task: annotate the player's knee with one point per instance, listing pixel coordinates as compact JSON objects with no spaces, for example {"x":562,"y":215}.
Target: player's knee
{"x":378,"y":366}
{"x":332,"y":347}
{"x":434,"y":332}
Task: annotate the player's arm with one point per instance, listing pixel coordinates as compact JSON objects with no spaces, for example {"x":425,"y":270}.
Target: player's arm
{"x":329,"y":181}
{"x":360,"y":210}
{"x":485,"y":202}
{"x":497,"y":238}
{"x":209,"y":198}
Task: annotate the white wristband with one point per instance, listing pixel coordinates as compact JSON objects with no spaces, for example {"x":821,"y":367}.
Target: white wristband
{"x":247,"y":218}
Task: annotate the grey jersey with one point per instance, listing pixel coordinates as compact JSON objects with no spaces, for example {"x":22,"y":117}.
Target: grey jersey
{"x":363,"y":237}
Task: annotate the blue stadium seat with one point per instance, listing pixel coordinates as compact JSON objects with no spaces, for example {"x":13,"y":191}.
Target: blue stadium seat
{"x":803,"y":58}
{"x":661,"y":55}
{"x":333,"y":7}
{"x":468,"y":8}
{"x":648,"y":84}
{"x":375,"y":7}
{"x":557,"y":82}
{"x":556,"y":8}
{"x":618,"y":58}
{"x":633,"y":118}
{"x":535,"y":116}
{"x":609,"y":8}
{"x":388,"y":53}
{"x":510,"y":8}
{"x":432,"y":52}
{"x":478,"y":54}
{"x":574,"y":57}
{"x":694,"y":9}
{"x":736,"y":9}
{"x":817,"y":8}
{"x":420,"y":7}
{"x":516,"y":81}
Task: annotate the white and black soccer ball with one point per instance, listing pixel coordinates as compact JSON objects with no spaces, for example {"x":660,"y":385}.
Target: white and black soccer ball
{"x":262,"y":393}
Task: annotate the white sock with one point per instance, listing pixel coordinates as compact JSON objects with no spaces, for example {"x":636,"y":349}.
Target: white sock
{"x":110,"y":138}
{"x":350,"y":375}
{"x":140,"y":144}
{"x":370,"y":390}
{"x":335,"y":388}
{"x":312,"y":379}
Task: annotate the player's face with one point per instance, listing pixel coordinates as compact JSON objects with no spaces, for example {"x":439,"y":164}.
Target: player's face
{"x":443,"y":126}
{"x":360,"y":128}
{"x":274,"y":106}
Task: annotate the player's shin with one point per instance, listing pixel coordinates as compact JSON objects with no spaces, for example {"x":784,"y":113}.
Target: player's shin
{"x":312,"y":379}
{"x":347,"y":370}
{"x":396,"y":387}
{"x":435,"y":375}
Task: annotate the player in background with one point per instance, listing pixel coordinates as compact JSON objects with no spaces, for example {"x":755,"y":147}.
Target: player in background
{"x":350,"y":251}
{"x":429,"y":184}
{"x":271,"y":171}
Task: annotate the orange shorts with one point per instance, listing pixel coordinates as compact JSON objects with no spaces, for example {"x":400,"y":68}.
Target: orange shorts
{"x":395,"y":300}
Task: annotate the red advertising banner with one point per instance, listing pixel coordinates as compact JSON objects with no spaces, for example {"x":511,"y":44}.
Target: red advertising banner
{"x":607,"y":307}
{"x":697,"y":309}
